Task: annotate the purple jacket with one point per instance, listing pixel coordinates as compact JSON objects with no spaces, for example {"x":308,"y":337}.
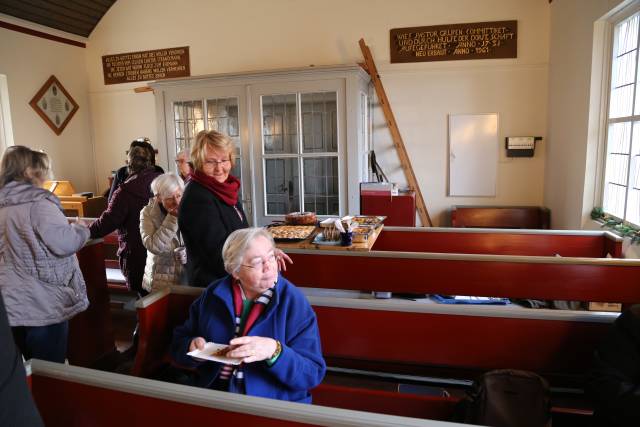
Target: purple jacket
{"x":123,"y":214}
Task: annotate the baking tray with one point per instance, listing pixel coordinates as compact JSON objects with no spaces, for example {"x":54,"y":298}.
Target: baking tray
{"x":271,"y":227}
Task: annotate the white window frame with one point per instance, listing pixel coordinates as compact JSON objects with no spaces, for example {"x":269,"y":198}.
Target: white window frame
{"x":608,"y":41}
{"x":258,"y":91}
{"x":352,"y":167}
{"x":6,"y":129}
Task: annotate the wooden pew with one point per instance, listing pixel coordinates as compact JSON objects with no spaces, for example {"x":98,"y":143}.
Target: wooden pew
{"x":497,"y":273}
{"x":566,"y":243}
{"x":534,"y":217}
{"x":91,"y":338}
{"x":457,"y":341}
{"x":69,"y":396}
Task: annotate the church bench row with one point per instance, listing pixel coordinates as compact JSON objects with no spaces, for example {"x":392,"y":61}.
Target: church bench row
{"x":70,"y":396}
{"x":516,"y":265}
{"x":414,"y":337}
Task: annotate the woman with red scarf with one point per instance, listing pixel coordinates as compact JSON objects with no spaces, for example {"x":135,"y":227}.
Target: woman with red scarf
{"x":210,"y":209}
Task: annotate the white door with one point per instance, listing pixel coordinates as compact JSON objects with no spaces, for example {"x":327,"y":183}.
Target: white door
{"x":223,"y":109}
{"x":299,"y":148}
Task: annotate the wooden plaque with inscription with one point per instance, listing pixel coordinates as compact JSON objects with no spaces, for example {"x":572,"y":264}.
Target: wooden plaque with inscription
{"x":479,"y":40}
{"x":148,"y":65}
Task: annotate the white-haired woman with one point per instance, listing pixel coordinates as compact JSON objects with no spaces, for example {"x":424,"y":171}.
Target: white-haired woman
{"x":40,"y":278}
{"x":265,"y":319}
{"x":160,"y":234}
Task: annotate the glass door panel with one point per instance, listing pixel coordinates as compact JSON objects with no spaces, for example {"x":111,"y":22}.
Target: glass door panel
{"x":298,"y":148}
{"x":282,"y":186}
{"x":188,"y":121}
{"x":221,"y":109}
{"x":321,"y":190}
{"x":280,"y":124}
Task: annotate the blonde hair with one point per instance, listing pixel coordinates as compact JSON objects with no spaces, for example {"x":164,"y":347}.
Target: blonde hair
{"x":237,"y":243}
{"x":20,"y":163}
{"x":216,"y":141}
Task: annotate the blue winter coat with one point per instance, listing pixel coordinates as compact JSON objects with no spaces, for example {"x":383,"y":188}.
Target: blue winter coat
{"x":288,"y":318}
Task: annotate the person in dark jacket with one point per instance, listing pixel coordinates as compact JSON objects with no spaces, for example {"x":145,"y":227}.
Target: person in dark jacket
{"x":614,"y":380}
{"x":210,"y":209}
{"x":16,"y":404}
{"x":123,"y":173}
{"x":123,"y":214}
{"x":267,"y":323}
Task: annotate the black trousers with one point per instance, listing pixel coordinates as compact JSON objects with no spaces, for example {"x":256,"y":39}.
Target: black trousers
{"x":42,"y":342}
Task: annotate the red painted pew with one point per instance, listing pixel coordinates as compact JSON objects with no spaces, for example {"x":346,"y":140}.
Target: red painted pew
{"x":91,"y":337}
{"x":69,"y":396}
{"x":433,"y":338}
{"x":497,"y":263}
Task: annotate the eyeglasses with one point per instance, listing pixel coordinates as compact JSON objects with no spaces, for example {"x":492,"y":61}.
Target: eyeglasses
{"x":216,"y":162}
{"x":262,"y":262}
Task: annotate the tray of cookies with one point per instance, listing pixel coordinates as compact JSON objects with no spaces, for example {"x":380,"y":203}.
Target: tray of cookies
{"x":290,"y":233}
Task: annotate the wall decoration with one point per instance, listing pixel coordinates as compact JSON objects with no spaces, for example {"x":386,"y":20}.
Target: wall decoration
{"x":54,"y":104}
{"x":478,"y":40}
{"x":146,"y":65}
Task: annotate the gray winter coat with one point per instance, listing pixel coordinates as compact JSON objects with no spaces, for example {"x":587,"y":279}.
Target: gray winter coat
{"x":159,"y":235}
{"x":40,"y":278}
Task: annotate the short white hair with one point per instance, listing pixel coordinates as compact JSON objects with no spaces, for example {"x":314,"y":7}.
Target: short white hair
{"x":184,"y":152}
{"x":166,"y":184}
{"x":237,"y":243}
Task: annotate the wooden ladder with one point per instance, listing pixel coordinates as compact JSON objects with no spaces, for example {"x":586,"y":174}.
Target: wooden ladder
{"x":405,"y":163}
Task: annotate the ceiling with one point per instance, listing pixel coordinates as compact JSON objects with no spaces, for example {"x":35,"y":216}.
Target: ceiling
{"x":73,"y":16}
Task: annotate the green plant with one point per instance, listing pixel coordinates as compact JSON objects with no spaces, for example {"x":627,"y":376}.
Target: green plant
{"x":615,"y":224}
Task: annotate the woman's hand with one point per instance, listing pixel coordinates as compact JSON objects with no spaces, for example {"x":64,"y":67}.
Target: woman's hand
{"x":252,"y":349}
{"x":174,"y":211}
{"x":282,"y":259}
{"x":197,"y":343}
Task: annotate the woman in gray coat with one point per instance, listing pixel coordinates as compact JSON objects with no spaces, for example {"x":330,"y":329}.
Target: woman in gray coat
{"x":159,"y":231}
{"x":40,"y":278}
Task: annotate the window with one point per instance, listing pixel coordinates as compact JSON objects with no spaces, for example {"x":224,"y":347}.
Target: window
{"x":300,"y":152}
{"x":302,"y":135}
{"x":621,"y":196}
{"x":221,"y":115}
{"x":6,"y":131}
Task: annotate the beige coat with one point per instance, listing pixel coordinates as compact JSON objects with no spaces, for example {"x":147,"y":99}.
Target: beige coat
{"x":159,"y":235}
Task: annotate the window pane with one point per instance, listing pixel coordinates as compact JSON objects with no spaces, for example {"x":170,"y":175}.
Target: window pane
{"x":626,"y":35}
{"x":237,"y":172}
{"x":618,"y":146}
{"x":279,"y":124}
{"x":281,"y":186}
{"x":621,"y":101}
{"x":614,"y":199}
{"x":321,"y":185}
{"x":633,"y":202}
{"x":319,"y":127}
{"x":624,"y":69}
{"x":188,"y":121}
{"x":222,"y":115}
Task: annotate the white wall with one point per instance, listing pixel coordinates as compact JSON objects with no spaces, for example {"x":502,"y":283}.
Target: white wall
{"x":28,"y":61}
{"x":249,"y":35}
{"x":571,"y":169}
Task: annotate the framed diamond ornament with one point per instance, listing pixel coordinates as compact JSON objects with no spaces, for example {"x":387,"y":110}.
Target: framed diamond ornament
{"x":54,"y":104}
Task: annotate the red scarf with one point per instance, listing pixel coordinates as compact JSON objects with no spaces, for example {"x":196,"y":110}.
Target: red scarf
{"x":226,"y":191}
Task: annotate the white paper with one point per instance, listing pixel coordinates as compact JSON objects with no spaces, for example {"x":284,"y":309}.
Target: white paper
{"x":207,"y":353}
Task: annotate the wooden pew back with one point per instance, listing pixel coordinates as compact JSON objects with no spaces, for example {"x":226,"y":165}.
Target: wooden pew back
{"x":588,"y":244}
{"x":76,"y":397}
{"x":534,"y":217}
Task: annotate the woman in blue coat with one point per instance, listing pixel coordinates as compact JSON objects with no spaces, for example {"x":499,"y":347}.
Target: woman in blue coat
{"x":266,"y":321}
